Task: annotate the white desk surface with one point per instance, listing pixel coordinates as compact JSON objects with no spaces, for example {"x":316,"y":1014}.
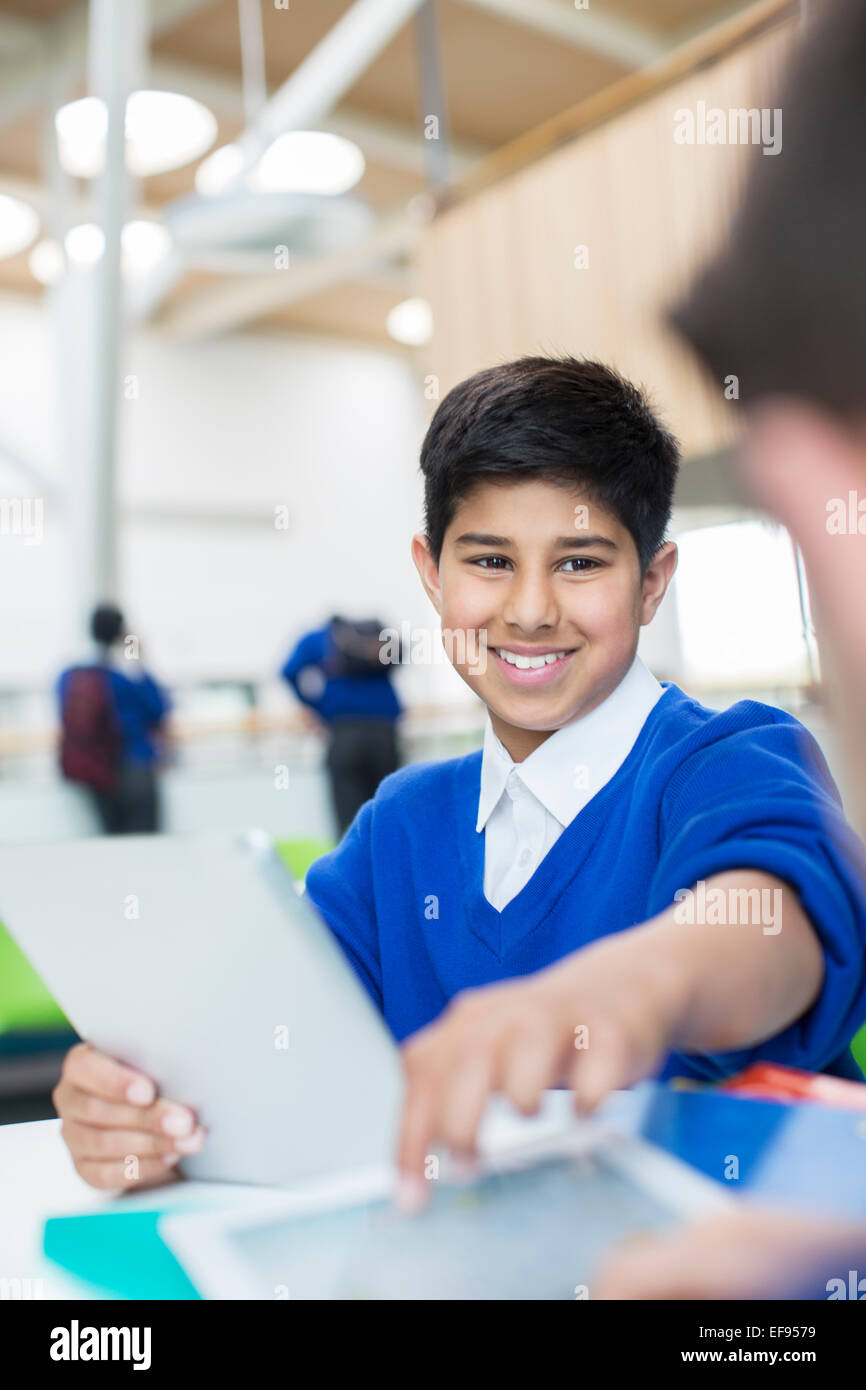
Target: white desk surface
{"x":38,"y":1180}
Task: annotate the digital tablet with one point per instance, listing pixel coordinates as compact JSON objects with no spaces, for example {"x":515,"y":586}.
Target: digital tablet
{"x":195,"y":958}
{"x":534,"y":1225}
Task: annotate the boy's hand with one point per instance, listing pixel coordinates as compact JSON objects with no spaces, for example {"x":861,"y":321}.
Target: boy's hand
{"x":118,"y":1133}
{"x":601,"y":1019}
{"x":605,"y":1017}
{"x":745,"y":1254}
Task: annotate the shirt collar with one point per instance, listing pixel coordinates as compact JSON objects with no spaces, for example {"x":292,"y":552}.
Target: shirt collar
{"x":496,"y":765}
{"x":567,"y":770}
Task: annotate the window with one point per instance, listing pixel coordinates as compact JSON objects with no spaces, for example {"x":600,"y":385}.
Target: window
{"x":738,"y":603}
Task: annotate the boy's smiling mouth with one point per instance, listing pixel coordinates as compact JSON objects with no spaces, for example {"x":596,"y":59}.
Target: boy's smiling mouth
{"x":532,"y":665}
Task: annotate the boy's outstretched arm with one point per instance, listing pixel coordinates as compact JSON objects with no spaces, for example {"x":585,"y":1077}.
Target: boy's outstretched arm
{"x":607,"y":1016}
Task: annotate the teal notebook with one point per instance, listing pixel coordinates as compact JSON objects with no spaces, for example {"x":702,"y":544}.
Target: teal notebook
{"x":119,"y":1253}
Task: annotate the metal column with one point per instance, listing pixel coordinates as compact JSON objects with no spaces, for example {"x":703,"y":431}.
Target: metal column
{"x":90,"y":321}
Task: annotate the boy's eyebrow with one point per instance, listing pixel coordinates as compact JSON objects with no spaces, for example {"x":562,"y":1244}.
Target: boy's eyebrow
{"x":569,"y":542}
{"x":477,"y":538}
{"x":580,"y":542}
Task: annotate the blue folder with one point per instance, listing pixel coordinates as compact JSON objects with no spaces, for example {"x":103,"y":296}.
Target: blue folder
{"x":809,"y":1157}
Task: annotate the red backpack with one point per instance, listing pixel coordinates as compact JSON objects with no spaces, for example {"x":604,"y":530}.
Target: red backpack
{"x":90,"y":745}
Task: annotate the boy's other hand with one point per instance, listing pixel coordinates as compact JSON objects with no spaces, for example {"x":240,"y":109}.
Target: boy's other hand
{"x":117,"y":1131}
{"x":745,"y":1254}
{"x":599,"y":1020}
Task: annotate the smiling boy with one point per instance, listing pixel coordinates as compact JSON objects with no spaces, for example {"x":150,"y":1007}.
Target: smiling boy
{"x":557,"y":853}
{"x":599,"y":799}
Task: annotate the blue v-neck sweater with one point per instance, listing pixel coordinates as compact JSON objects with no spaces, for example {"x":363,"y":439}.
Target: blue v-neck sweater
{"x":700,"y":792}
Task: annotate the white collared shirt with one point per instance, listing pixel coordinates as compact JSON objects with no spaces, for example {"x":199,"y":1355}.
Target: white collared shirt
{"x":524,"y":807}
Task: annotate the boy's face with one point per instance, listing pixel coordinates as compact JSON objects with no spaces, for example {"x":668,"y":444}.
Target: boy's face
{"x":541,"y":599}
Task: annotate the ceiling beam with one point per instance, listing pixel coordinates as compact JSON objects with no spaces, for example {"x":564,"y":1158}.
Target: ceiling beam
{"x":396,"y":145}
{"x":247,"y":297}
{"x":621,"y":40}
{"x":322,"y":77}
{"x":313,"y":88}
{"x":693,"y":29}
{"x":83,"y":208}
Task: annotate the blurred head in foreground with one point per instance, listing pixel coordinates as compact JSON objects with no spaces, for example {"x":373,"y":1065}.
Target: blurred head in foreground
{"x":784,"y":308}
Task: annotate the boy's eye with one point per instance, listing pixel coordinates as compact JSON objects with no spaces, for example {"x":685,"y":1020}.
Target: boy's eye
{"x":491,"y":562}
{"x":582,"y":563}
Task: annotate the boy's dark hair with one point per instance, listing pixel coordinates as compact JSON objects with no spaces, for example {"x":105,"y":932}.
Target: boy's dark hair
{"x":561,"y":419}
{"x":784,"y":306}
{"x":106,"y":624}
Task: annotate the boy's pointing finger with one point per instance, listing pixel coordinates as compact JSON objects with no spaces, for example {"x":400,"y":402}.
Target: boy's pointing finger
{"x":416,"y":1129}
{"x":530,"y":1066}
{"x":463,"y":1102}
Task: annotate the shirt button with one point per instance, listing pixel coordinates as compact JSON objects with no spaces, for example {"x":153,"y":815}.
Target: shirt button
{"x":524,"y":857}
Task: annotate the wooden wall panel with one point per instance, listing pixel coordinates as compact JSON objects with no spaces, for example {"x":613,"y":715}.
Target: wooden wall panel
{"x":499,"y":268}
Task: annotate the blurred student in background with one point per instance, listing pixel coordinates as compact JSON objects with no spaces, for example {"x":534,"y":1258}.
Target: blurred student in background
{"x":784,"y":307}
{"x":112,"y":719}
{"x":337,"y":672}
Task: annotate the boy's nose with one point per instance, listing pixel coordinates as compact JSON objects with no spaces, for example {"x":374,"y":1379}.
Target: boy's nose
{"x":530,"y":604}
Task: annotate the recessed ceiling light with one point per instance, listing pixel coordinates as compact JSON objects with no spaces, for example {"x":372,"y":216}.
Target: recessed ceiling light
{"x":19,"y":225}
{"x":411,"y":322}
{"x":47,"y":262}
{"x":144,"y":243}
{"x":218,"y":169}
{"x":164,"y":130}
{"x":308,"y":161}
{"x":84,"y":244}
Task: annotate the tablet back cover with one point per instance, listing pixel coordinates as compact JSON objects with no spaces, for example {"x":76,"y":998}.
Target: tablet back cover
{"x":194,"y":958}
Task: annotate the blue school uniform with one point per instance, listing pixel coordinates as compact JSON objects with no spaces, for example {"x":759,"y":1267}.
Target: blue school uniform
{"x":335,"y":697}
{"x":139,"y":705}
{"x":699,"y":793}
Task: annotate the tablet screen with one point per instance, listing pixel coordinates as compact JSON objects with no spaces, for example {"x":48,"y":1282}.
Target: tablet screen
{"x":530,"y":1233}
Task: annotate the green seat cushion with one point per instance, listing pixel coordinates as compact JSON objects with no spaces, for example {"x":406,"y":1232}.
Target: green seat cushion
{"x":25,"y":1003}
{"x":298,"y":855}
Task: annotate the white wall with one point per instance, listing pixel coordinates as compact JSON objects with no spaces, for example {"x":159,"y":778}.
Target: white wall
{"x":235,"y":428}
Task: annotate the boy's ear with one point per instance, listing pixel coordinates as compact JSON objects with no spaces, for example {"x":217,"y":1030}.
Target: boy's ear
{"x":427,"y":569}
{"x":660,"y":572}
